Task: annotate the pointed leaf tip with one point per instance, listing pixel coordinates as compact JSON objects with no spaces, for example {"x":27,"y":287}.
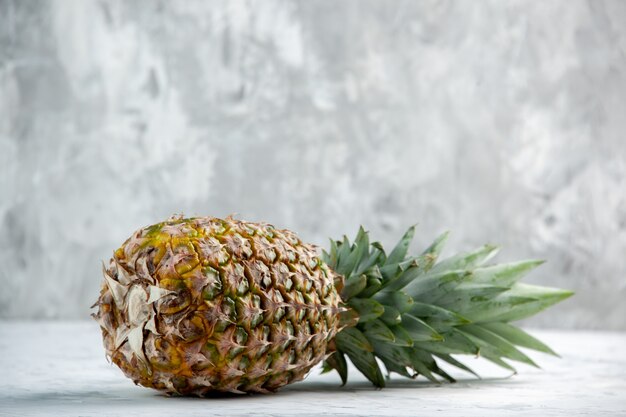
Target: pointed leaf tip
{"x":337,"y":361}
{"x":399,"y":252}
{"x":518,"y":337}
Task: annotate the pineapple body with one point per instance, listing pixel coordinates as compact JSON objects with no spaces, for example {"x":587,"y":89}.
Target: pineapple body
{"x":190,"y":306}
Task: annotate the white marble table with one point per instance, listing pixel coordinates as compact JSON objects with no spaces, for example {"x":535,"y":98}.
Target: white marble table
{"x":58,"y":369}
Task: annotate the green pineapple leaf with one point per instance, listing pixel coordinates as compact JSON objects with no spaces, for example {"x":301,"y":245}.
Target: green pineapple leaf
{"x":437,"y":317}
{"x":402,"y":337}
{"x":419,"y":330}
{"x":449,"y":359}
{"x":367,"y":308}
{"x":377,"y":330}
{"x":467,"y":260}
{"x":415,"y":312}
{"x":359,"y":350}
{"x":337,"y":361}
{"x":521,"y":301}
{"x":502,"y":345}
{"x":518,"y":337}
{"x":398,"y":254}
{"x":353,"y":286}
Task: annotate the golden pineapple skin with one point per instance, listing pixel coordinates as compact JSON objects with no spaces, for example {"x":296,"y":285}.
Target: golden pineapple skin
{"x":191,"y":306}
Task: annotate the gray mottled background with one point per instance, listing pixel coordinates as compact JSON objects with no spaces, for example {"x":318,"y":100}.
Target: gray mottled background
{"x":501,"y":121}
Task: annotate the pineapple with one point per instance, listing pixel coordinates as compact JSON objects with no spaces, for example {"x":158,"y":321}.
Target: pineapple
{"x":195,"y":305}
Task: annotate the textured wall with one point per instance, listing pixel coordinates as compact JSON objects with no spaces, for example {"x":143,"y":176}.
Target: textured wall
{"x":502,"y":121}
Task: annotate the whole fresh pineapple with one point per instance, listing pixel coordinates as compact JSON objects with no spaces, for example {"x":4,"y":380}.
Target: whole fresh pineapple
{"x":195,"y":305}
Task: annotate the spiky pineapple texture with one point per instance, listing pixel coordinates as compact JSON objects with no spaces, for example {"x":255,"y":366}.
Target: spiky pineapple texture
{"x":190,"y":306}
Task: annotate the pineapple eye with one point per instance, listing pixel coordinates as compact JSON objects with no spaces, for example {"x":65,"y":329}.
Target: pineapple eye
{"x":312,"y":315}
{"x":241,"y":336}
{"x":256,"y":302}
{"x":171,"y":304}
{"x":307,"y":354}
{"x":327,"y":289}
{"x":280,"y":313}
{"x":244,"y":363}
{"x":193,"y":328}
{"x":240,"y":339}
{"x":243,"y":287}
{"x":179,"y":382}
{"x":214,"y":287}
{"x":163,"y":355}
{"x":266,"y":333}
{"x":289,"y":326}
{"x":228,"y":306}
{"x":223,"y":257}
{"x":266,"y":282}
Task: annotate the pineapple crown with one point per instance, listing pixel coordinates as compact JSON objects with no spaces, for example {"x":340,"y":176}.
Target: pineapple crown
{"x":412,"y":312}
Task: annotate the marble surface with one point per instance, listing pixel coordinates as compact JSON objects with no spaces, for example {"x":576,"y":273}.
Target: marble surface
{"x":502,"y":121}
{"x":58,"y":369}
